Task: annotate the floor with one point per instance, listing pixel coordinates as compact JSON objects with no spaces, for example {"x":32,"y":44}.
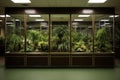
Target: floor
{"x":60,"y":74}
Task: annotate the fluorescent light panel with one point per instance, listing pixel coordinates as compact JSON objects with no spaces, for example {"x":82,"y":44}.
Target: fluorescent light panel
{"x":104,"y":20}
{"x":30,"y":11}
{"x":78,"y":19}
{"x":34,"y":15}
{"x":4,"y":15}
{"x":21,"y":1}
{"x":39,"y":20}
{"x":97,"y":1}
{"x":83,"y":15}
{"x":17,"y":20}
{"x":87,"y":11}
{"x":114,"y":16}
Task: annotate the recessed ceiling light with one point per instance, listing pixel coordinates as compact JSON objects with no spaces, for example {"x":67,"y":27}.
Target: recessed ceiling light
{"x":21,"y":1}
{"x":39,"y":20}
{"x":4,"y":15}
{"x":34,"y":15}
{"x":87,"y":11}
{"x":78,"y":19}
{"x":114,"y":16}
{"x":30,"y":11}
{"x":104,"y":20}
{"x":17,"y":20}
{"x":97,"y":1}
{"x":83,"y":15}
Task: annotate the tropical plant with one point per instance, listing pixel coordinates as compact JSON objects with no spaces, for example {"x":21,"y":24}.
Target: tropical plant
{"x":14,"y":42}
{"x":81,"y":42}
{"x":60,"y":36}
{"x":102,"y":42}
{"x":37,"y":40}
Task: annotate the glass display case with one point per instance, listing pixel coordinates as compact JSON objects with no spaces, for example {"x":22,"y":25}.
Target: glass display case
{"x":59,"y":37}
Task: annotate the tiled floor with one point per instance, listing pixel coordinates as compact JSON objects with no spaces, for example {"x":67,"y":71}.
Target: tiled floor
{"x":60,"y":74}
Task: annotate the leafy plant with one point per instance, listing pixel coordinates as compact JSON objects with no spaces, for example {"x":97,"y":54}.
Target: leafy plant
{"x":14,"y":42}
{"x":37,"y":40}
{"x":102,"y":41}
{"x":60,"y":36}
{"x":81,"y":42}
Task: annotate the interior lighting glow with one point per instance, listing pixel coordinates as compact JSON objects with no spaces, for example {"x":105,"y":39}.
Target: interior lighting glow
{"x":83,"y":15}
{"x":97,"y":1}
{"x":4,"y":15}
{"x":104,"y":20}
{"x":39,"y":20}
{"x":114,"y":16}
{"x":34,"y":15}
{"x":17,"y":20}
{"x":21,"y":1}
{"x":78,"y":19}
{"x":30,"y":11}
{"x":87,"y":11}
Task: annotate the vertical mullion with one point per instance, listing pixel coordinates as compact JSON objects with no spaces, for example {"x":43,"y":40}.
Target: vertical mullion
{"x":49,"y":55}
{"x":93,"y":35}
{"x":25,"y":24}
{"x":93,"y":30}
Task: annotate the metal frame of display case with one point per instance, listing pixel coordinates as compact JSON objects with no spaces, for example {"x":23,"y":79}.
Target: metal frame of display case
{"x":59,"y":59}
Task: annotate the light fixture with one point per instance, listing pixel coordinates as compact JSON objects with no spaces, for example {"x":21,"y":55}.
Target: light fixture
{"x":39,"y":20}
{"x":83,"y":15}
{"x":114,"y":16}
{"x":17,"y":20}
{"x":87,"y":11}
{"x":4,"y":15}
{"x":34,"y":15}
{"x":97,"y":1}
{"x":30,"y":11}
{"x":78,"y":19}
{"x":0,"y":20}
{"x":104,"y":20}
{"x":21,"y":1}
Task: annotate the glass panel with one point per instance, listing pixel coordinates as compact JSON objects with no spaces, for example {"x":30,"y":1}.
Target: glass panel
{"x":81,"y":33}
{"x":103,"y":33}
{"x":37,"y":33}
{"x":15,"y":33}
{"x":60,"y":38}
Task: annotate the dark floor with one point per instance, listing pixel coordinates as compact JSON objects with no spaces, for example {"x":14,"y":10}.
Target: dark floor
{"x":60,"y":74}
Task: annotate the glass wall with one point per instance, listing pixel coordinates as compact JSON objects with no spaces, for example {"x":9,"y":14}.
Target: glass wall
{"x":37,"y":33}
{"x":81,"y":33}
{"x":103,"y":33}
{"x":60,"y":33}
{"x":15,"y":33}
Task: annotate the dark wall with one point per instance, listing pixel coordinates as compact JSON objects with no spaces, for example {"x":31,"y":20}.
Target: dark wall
{"x":117,"y":39}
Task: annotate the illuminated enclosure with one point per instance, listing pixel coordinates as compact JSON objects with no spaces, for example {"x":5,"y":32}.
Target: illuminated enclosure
{"x":59,"y":37}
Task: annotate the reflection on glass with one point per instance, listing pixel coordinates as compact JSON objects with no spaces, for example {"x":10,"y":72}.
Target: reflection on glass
{"x":81,"y":33}
{"x":103,"y":33}
{"x":60,"y":33}
{"x":14,"y":31}
{"x":37,"y":33}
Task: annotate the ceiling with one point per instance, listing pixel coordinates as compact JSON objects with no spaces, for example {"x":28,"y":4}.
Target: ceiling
{"x":61,"y":3}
